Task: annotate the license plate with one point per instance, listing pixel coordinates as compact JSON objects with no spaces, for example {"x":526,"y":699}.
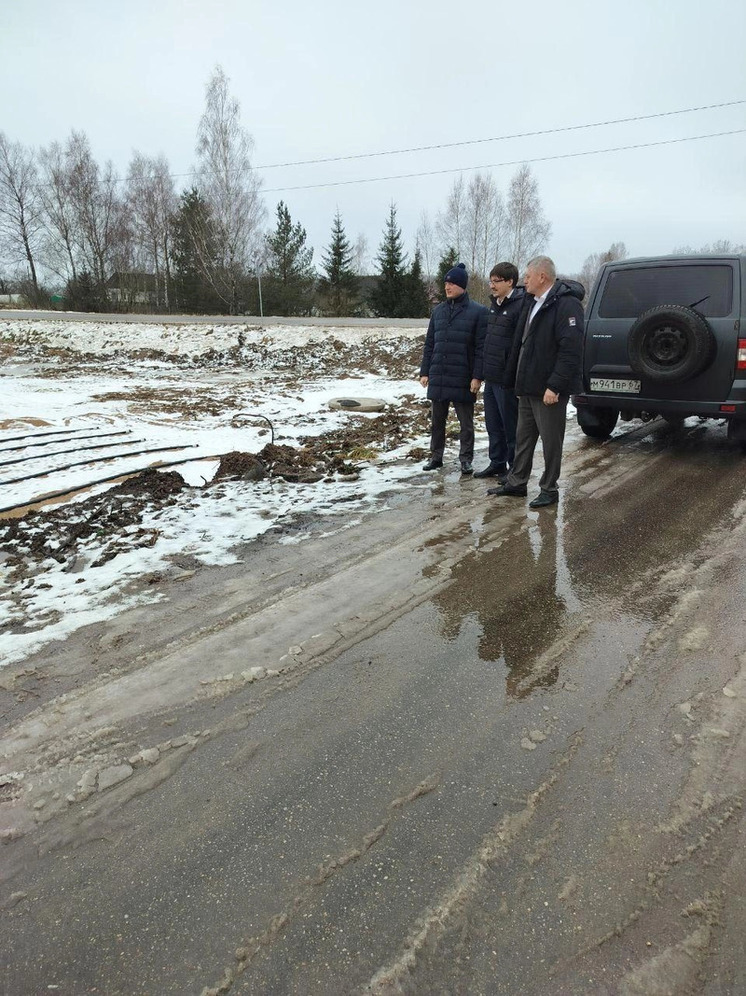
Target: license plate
{"x":615,"y":386}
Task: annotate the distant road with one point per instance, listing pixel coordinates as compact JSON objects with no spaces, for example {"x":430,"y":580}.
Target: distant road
{"x":81,"y":316}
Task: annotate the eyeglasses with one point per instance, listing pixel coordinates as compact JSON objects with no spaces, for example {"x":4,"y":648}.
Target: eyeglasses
{"x":498,"y":280}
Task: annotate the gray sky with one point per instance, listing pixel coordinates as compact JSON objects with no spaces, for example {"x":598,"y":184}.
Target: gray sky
{"x":337,"y":78}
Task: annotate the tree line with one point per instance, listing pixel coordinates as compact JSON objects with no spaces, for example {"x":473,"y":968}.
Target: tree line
{"x":73,"y":232}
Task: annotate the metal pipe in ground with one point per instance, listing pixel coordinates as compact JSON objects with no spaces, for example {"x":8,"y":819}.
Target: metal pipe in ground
{"x":79,"y":488}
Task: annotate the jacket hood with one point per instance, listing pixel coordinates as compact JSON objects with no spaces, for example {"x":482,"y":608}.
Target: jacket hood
{"x":572,"y":287}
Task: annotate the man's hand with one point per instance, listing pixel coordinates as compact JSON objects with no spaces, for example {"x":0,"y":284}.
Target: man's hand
{"x":475,"y":385}
{"x":424,"y":381}
{"x":550,"y":398}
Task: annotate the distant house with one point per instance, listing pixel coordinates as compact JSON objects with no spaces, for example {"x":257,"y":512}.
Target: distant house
{"x":13,"y":301}
{"x":130,"y":287}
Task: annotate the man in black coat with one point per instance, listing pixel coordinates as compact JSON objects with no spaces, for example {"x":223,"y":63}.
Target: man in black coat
{"x":500,"y":403}
{"x":452,"y":354}
{"x":546,"y":365}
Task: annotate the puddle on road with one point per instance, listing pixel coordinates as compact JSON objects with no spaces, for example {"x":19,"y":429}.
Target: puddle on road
{"x":516,"y":594}
{"x":620,"y":561}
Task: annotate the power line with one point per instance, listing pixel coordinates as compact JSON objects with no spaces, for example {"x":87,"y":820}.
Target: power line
{"x":512,"y":162}
{"x":482,"y":141}
{"x":502,"y":138}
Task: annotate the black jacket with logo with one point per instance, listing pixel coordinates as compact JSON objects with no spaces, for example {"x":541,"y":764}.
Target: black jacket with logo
{"x":453,"y":349}
{"x":502,"y":322}
{"x":550,"y":354}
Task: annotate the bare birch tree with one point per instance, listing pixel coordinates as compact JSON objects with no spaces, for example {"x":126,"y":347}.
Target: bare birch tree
{"x":426,"y":243}
{"x":61,"y":236}
{"x":361,"y":255}
{"x":20,"y":208}
{"x":230,"y":186}
{"x":100,"y":224}
{"x":594,"y":262}
{"x":475,"y":223}
{"x":485,"y":224}
{"x":528,"y":229}
{"x":450,"y":222}
{"x":152,"y":203}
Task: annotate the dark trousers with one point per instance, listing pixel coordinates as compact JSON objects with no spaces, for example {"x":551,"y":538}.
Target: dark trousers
{"x":465,"y":413}
{"x":500,"y":419}
{"x":535,"y":420}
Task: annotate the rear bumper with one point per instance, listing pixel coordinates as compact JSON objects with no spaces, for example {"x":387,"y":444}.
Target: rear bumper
{"x":633,"y":405}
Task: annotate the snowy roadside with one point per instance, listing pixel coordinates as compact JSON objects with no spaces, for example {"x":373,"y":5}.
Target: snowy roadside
{"x":102,"y":550}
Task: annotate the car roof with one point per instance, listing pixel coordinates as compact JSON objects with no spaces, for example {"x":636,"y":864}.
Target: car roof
{"x":678,"y":258}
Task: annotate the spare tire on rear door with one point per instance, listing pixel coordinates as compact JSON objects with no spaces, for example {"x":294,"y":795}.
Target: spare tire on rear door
{"x":670,"y":343}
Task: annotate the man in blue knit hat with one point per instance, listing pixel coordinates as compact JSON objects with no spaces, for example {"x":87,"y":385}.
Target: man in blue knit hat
{"x":452,"y":354}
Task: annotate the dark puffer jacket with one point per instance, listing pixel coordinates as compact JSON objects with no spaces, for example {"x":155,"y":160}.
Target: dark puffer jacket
{"x":453,"y":349}
{"x":552,"y":354}
{"x":502,"y":322}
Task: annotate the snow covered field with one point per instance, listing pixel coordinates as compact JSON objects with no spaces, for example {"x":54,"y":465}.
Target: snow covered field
{"x":181,"y":387}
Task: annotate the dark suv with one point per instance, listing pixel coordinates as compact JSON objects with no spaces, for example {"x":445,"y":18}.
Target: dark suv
{"x":664,"y":336}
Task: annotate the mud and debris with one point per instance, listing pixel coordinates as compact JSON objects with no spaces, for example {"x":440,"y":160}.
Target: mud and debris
{"x":113,"y":518}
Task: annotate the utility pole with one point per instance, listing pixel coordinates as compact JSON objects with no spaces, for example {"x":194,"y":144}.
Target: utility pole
{"x":258,"y":265}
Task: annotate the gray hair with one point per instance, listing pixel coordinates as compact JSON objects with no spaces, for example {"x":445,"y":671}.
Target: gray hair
{"x":544,"y":265}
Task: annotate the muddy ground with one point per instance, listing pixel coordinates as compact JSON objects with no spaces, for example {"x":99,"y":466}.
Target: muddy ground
{"x":452,"y":747}
{"x":116,"y":515}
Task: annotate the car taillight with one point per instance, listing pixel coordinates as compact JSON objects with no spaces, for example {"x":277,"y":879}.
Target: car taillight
{"x":741,"y":355}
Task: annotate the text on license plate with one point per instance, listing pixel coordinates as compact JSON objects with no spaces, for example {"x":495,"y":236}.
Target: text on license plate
{"x":612,"y":384}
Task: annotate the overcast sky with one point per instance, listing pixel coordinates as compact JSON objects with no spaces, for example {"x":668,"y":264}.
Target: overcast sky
{"x":339,"y":78}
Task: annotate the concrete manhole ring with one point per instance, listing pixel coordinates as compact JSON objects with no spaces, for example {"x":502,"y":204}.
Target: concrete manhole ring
{"x":357,"y":404}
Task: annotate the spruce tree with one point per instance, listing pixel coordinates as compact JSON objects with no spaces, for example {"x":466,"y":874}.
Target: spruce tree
{"x":338,"y":288}
{"x":388,"y":298}
{"x":193,"y":253}
{"x":416,"y":297}
{"x":448,"y":259}
{"x":289,"y":268}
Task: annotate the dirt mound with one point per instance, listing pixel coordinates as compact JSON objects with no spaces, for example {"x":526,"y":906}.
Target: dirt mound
{"x":157,"y":484}
{"x":299,"y":465}
{"x":246,"y":466}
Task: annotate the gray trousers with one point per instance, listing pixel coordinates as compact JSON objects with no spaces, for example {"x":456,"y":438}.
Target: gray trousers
{"x":465,"y":415}
{"x":535,"y":419}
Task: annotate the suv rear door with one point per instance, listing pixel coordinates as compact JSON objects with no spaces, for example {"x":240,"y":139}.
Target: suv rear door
{"x":625,"y":290}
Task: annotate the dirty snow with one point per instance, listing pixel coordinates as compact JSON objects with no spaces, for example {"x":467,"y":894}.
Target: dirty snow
{"x":181,"y":386}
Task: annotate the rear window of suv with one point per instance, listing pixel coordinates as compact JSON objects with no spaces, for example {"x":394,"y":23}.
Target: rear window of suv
{"x":629,"y":292}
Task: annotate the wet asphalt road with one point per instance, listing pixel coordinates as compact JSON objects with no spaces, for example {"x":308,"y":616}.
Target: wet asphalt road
{"x":498,"y":760}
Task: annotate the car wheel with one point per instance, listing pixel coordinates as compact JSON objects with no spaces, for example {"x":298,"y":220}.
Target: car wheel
{"x":670,"y":343}
{"x":598,"y":423}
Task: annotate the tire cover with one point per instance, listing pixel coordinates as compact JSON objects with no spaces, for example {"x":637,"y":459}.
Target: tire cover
{"x":670,"y":343}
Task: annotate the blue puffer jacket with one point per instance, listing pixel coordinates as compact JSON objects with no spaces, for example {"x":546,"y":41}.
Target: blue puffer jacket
{"x":501,"y":325}
{"x":453,"y":349}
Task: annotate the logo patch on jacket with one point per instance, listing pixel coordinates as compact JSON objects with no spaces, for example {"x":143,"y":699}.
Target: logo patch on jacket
{"x":572,"y":321}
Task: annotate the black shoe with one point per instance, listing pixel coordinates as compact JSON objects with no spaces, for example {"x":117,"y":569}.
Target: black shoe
{"x":433,"y":465}
{"x":543,"y":499}
{"x":491,"y":470}
{"x":506,"y":489}
{"x":466,"y":468}
{"x":502,"y":477}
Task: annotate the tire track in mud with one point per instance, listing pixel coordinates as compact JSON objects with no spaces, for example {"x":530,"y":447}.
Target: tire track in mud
{"x":250,"y":947}
{"x":444,"y":915}
{"x":714,"y":755}
{"x":93,"y":719}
